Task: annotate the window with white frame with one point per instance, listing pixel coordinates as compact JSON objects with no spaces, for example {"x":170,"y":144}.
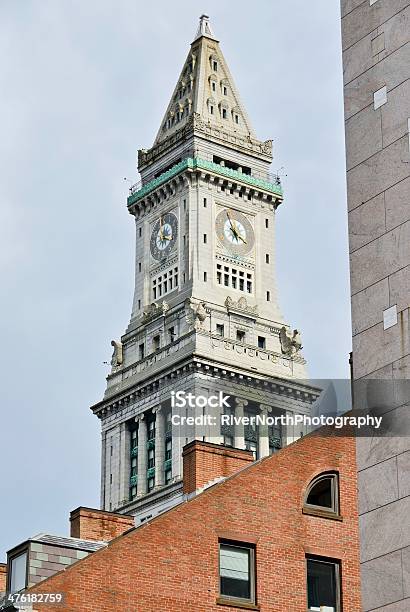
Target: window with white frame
{"x":234,"y":278}
{"x":164,"y":283}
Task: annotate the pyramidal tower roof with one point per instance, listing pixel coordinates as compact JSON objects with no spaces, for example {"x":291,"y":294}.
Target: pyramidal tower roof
{"x":205,"y":88}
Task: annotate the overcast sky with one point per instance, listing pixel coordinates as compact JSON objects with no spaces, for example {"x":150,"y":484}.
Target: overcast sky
{"x":83,"y":85}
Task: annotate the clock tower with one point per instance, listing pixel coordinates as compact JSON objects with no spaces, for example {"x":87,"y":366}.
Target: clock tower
{"x":205,"y":317}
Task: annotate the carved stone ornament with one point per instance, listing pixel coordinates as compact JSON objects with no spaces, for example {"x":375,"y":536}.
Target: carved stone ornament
{"x":196,"y":314}
{"x":155,"y":310}
{"x":241,"y":306}
{"x":290,"y":343}
{"x":117,"y":357}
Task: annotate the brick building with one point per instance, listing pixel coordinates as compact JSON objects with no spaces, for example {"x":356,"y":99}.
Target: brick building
{"x":268,"y":536}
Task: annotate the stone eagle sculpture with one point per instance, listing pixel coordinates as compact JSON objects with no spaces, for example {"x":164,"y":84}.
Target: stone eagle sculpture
{"x":290,"y":344}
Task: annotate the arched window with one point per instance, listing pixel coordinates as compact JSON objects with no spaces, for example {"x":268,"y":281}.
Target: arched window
{"x":322,"y":494}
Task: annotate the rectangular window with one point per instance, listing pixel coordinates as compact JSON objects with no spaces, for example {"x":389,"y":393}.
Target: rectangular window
{"x":184,"y":204}
{"x":184,"y":240}
{"x":140,"y":232}
{"x":168,"y":450}
{"x":240,"y":335}
{"x":151,"y":458}
{"x":168,"y":476}
{"x":215,"y":66}
{"x":205,"y":277}
{"x":204,"y":202}
{"x":225,"y":91}
{"x":237,"y":572}
{"x":268,"y":296}
{"x":213,"y":86}
{"x":323,"y":585}
{"x":139,"y":267}
{"x":211,"y":108}
{"x":261,"y":342}
{"x":267,"y":258}
{"x":266,"y":223}
{"x":156,"y":343}
{"x":171,"y":334}
{"x":151,"y":430}
{"x":236,"y":118}
{"x":150,"y":484}
{"x":205,"y":238}
{"x":220,"y":330}
{"x":141,"y":351}
{"x":224,"y":113}
{"x":18,"y":571}
{"x":139,"y":304}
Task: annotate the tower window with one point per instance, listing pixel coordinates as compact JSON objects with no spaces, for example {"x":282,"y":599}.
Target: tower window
{"x":205,"y":277}
{"x":215,"y":65}
{"x":171,"y":334}
{"x":156,"y":343}
{"x":268,"y":296}
{"x":224,"y":113}
{"x":211,"y":109}
{"x":213,"y":86}
{"x":184,"y":240}
{"x":165,"y":283}
{"x":140,"y":232}
{"x":323,"y":584}
{"x":240,"y":335}
{"x":261,"y":342}
{"x":266,"y":223}
{"x":141,"y":351}
{"x":204,"y":202}
{"x":220,"y":330}
{"x":139,"y":304}
{"x":184,"y":204}
{"x":139,"y":267}
{"x":267,"y":258}
{"x":225,"y":91}
{"x":236,"y":118}
{"x":205,"y":238}
{"x":150,"y":484}
{"x":234,"y":278}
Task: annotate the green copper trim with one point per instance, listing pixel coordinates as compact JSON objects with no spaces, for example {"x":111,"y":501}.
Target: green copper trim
{"x":134,"y":451}
{"x":167,"y":464}
{"x":133,"y":481}
{"x":197,"y":163}
{"x":151,"y":472}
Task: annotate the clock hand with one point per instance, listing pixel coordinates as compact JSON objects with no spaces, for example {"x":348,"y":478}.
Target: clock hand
{"x":243,"y":240}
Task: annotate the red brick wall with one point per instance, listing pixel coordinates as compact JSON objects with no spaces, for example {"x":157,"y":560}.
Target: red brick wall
{"x":170,"y":564}
{"x":91,"y":524}
{"x":3,"y":576}
{"x":204,"y":462}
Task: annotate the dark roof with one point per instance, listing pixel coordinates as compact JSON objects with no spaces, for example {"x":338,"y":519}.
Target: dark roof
{"x":87,"y":545}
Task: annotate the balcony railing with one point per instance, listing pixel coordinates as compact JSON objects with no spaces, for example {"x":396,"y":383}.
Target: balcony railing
{"x":269,"y":182}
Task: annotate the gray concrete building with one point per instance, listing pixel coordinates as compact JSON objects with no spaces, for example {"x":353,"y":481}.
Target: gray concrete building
{"x":376,"y":64}
{"x":205,"y":314}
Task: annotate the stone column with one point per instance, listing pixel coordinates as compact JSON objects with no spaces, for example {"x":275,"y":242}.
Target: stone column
{"x":178,"y":441}
{"x":124,"y":464}
{"x":159,"y":445}
{"x":239,"y":436}
{"x":142,"y":455}
{"x":264,"y":433}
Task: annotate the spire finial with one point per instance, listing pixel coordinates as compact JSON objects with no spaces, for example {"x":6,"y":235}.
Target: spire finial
{"x":204,"y":28}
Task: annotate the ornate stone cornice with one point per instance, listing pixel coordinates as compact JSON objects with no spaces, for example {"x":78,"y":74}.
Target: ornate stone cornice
{"x":196,"y":125}
{"x":241,"y":306}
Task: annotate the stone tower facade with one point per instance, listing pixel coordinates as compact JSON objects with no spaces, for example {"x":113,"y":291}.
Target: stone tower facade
{"x":205,"y":315}
{"x":376,"y":62}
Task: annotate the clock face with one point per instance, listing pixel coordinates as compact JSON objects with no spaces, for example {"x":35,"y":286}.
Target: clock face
{"x":164,"y":235}
{"x":235,"y":232}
